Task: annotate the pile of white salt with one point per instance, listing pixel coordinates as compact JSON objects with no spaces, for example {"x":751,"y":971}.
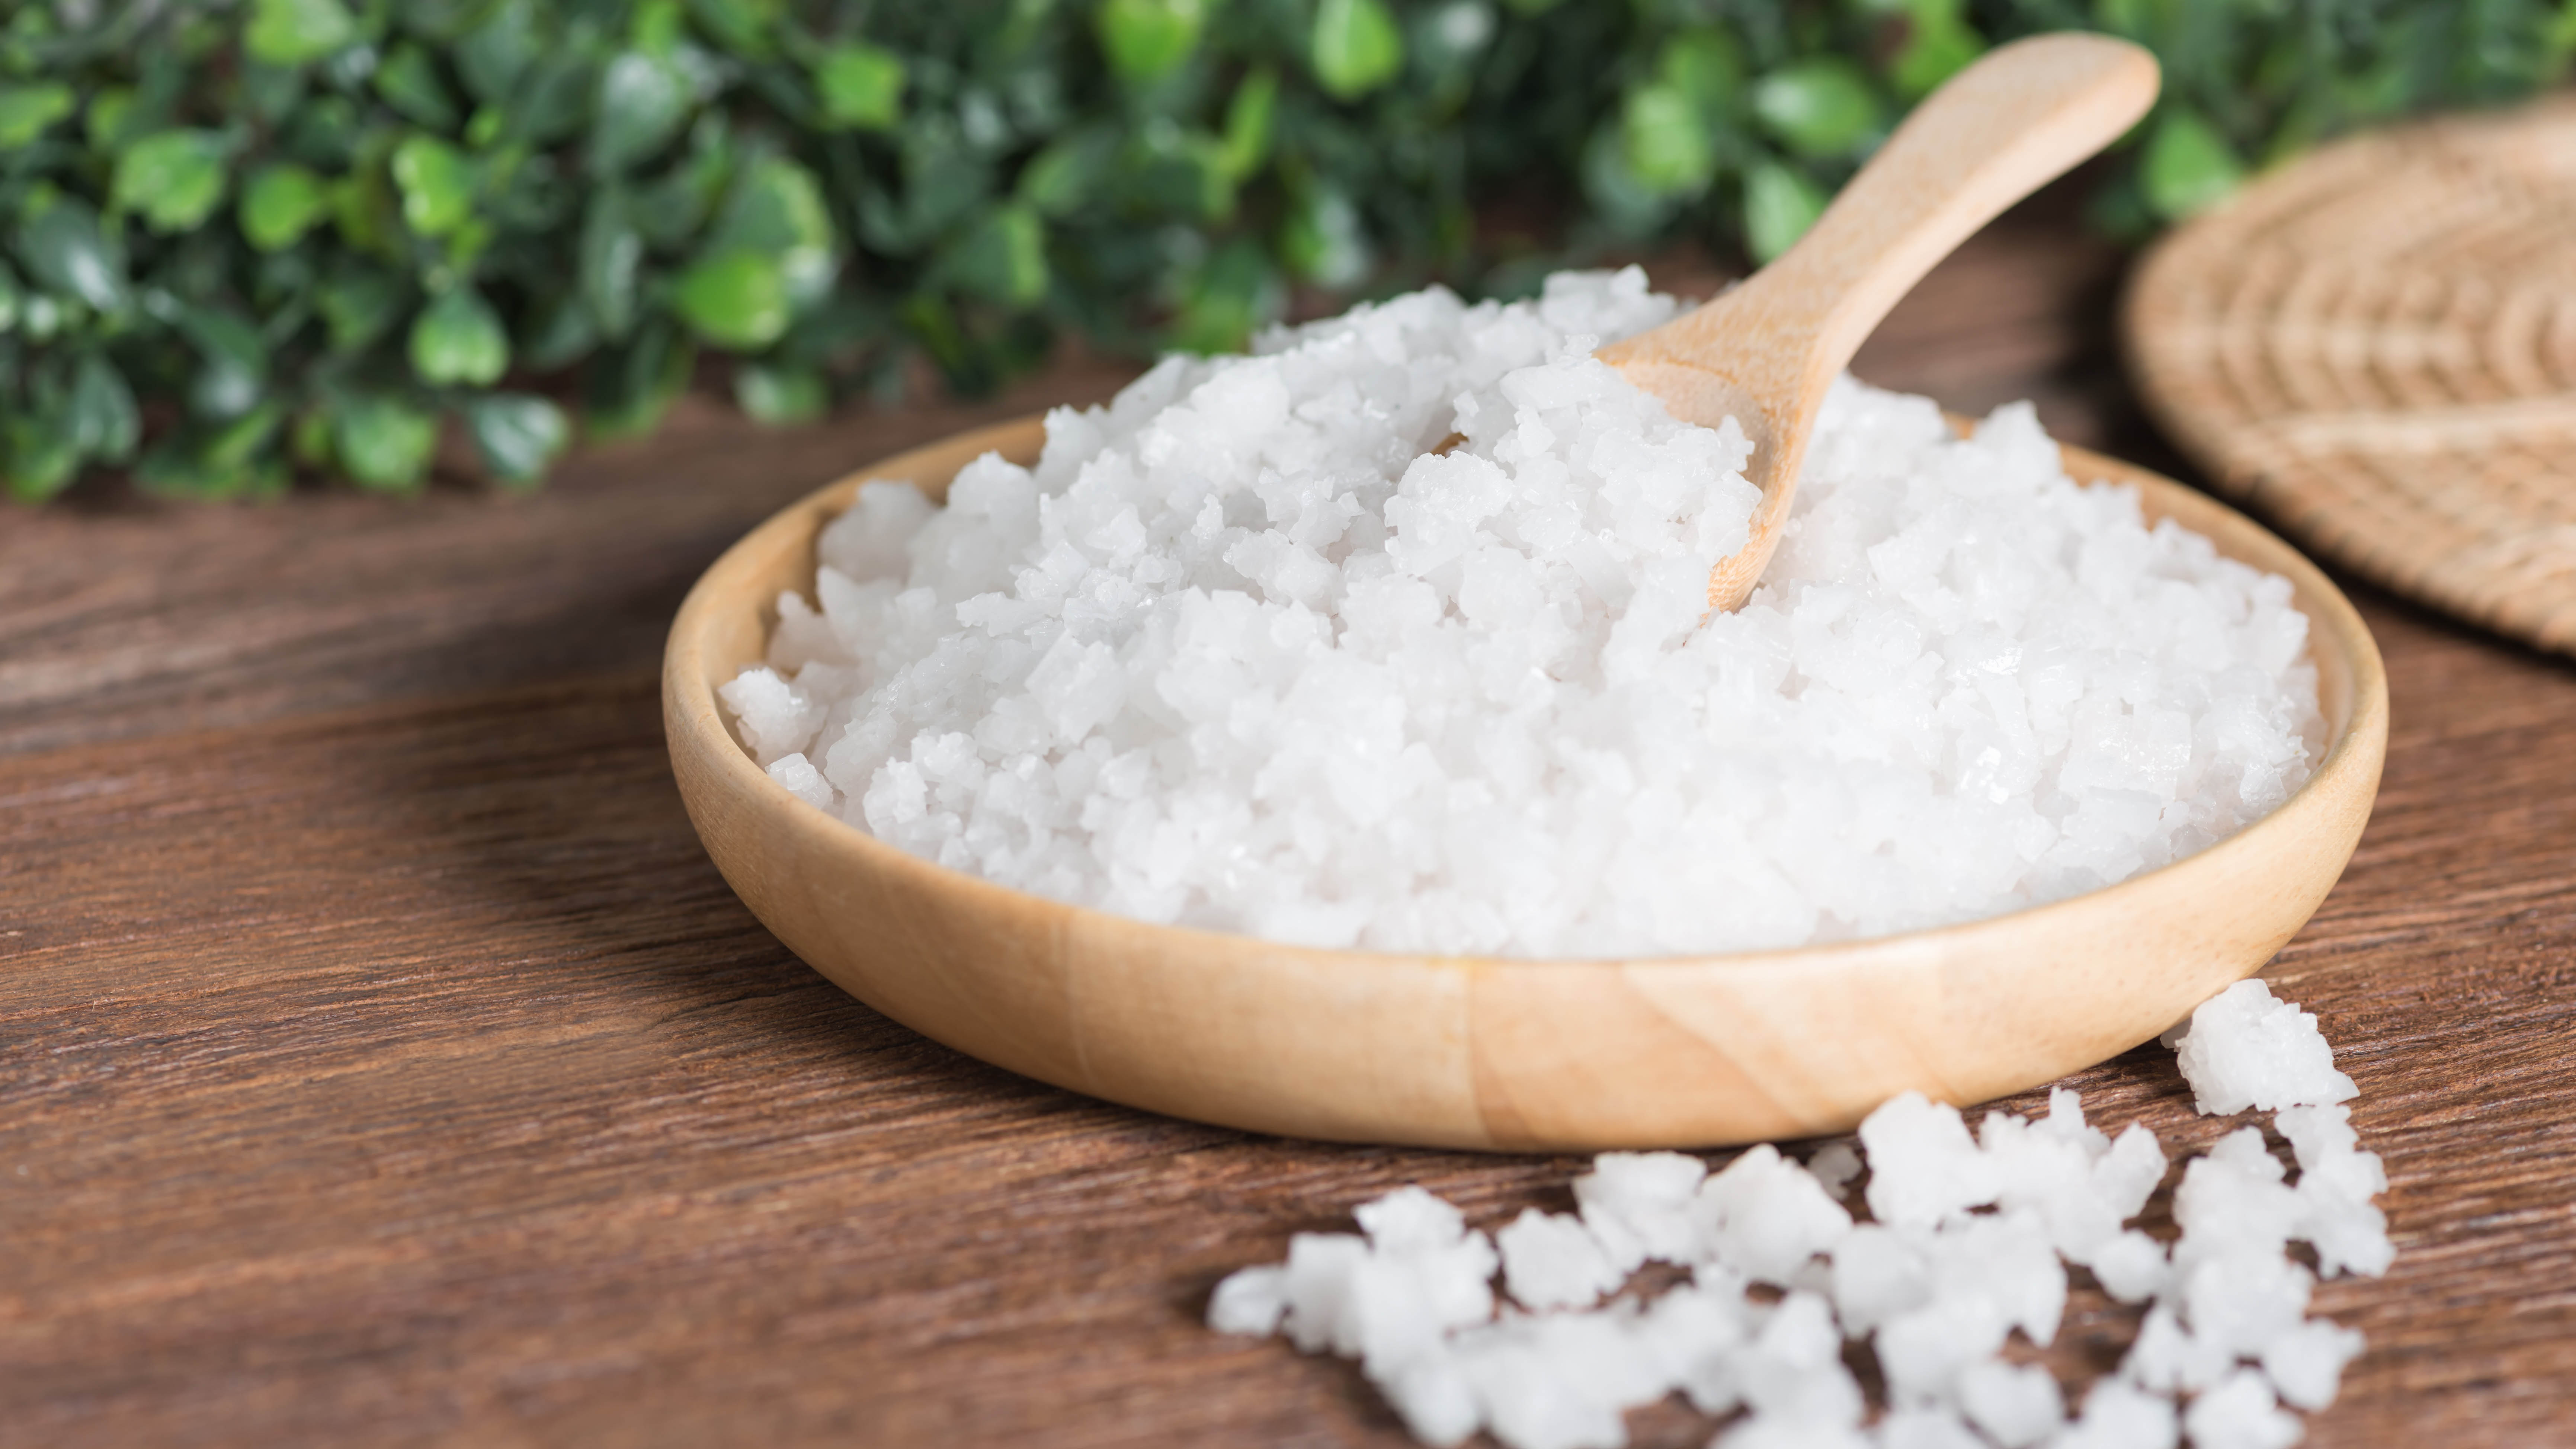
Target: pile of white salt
{"x":1969,"y":1241}
{"x":1240,"y":652}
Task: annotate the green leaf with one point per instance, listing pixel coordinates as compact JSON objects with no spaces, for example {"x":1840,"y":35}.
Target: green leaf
{"x":297,"y":32}
{"x":610,"y":255}
{"x":739,"y":26}
{"x":26,"y":111}
{"x":232,"y":372}
{"x":2189,"y":167}
{"x":1665,"y":140}
{"x":518,"y":435}
{"x":735,"y":299}
{"x":1819,"y":107}
{"x":409,"y":82}
{"x":1779,"y":206}
{"x":777,"y":208}
{"x":1323,"y":242}
{"x":383,"y":442}
{"x":1938,"y":45}
{"x":358,"y":304}
{"x":626,"y":391}
{"x":234,"y":460}
{"x":1355,"y":47}
{"x":492,"y":56}
{"x":281,"y":203}
{"x":1146,"y":39}
{"x":861,"y":86}
{"x":457,"y":338}
{"x":1234,"y":293}
{"x":655,"y":30}
{"x":643,"y":100}
{"x":562,"y":332}
{"x":66,"y":251}
{"x":1707,"y":66}
{"x":1071,"y":172}
{"x":173,"y":179}
{"x":437,"y":185}
{"x":12,"y":300}
{"x":1622,"y":203}
{"x":1003,"y":259}
{"x":773,"y":393}
{"x":112,"y":114}
{"x":104,"y":419}
{"x":1249,"y":118}
{"x":38,"y":457}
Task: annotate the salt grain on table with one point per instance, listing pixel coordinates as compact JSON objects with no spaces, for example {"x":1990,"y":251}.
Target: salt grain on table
{"x":1971,"y":1241}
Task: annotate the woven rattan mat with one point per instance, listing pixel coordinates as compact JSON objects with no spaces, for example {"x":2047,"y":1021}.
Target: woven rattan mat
{"x":2376,"y":347}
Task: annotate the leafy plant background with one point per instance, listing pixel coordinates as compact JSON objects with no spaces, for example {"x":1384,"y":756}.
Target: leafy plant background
{"x":239,"y":240}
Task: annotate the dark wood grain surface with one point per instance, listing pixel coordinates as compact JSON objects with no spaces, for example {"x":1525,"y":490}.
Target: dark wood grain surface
{"x":382,"y":1062}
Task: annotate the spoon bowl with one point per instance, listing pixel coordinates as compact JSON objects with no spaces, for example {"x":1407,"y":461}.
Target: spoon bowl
{"x":1503,"y":1054}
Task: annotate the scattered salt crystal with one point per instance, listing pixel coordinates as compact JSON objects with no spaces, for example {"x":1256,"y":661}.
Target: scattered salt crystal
{"x":1835,"y":1165}
{"x":2016,"y":1406}
{"x":1240,"y":652}
{"x":1971,"y":1246}
{"x":1923,"y":1165}
{"x":1640,"y":1206}
{"x":1552,"y":1261}
{"x":2119,"y":1415}
{"x":2244,"y":1049}
{"x":1409,"y":1218}
{"x":2130,"y":1267}
{"x":1925,"y":1427}
{"x":2241,"y":1414}
{"x":1766,"y":1216}
{"x":1315,"y":1286}
{"x":1250,"y":1301}
{"x":2306,"y":1363}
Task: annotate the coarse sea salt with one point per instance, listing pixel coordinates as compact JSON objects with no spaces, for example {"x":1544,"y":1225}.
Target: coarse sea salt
{"x":1242,"y":652}
{"x":1971,"y":1240}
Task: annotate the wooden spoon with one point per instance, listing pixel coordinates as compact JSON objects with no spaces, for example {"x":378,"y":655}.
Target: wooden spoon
{"x":1764,"y":352}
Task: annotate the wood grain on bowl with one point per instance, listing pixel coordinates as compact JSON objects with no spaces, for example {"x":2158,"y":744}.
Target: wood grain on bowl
{"x":1502,"y":1053}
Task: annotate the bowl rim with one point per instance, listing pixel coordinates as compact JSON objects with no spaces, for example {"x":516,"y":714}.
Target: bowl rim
{"x":691,"y":704}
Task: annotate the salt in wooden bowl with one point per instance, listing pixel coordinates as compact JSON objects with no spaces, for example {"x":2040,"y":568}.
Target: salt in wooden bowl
{"x":1503,"y":1053}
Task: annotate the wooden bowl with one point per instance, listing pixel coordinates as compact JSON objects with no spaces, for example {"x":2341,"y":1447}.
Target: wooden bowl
{"x":1495,"y":1053}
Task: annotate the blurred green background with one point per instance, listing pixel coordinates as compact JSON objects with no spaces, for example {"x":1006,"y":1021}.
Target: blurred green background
{"x":243,"y":241}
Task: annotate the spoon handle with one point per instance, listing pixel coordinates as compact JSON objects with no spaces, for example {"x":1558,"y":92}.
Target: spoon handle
{"x":2000,"y":130}
{"x":1994,"y":133}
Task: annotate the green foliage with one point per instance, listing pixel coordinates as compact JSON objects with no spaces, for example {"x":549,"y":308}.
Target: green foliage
{"x":241,"y":239}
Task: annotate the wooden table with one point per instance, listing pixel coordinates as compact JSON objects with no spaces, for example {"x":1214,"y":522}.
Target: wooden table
{"x":381,"y":1061}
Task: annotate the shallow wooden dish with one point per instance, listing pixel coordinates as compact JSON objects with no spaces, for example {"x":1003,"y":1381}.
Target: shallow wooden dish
{"x":1502,"y":1054}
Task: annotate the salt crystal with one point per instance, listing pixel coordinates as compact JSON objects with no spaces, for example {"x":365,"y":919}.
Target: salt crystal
{"x":2240,"y":1414}
{"x":2245,"y":1049}
{"x":1640,"y":1205}
{"x":2016,"y":1405}
{"x":1924,"y":1427}
{"x":2119,"y":1415}
{"x":1975,"y":1236}
{"x":1250,"y":1301}
{"x":1767,"y":1216}
{"x":1552,"y":1261}
{"x":1923,"y":1165}
{"x":1835,"y":1165}
{"x":1192,"y":664}
{"x":2306,"y":1364}
{"x":802,"y":780}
